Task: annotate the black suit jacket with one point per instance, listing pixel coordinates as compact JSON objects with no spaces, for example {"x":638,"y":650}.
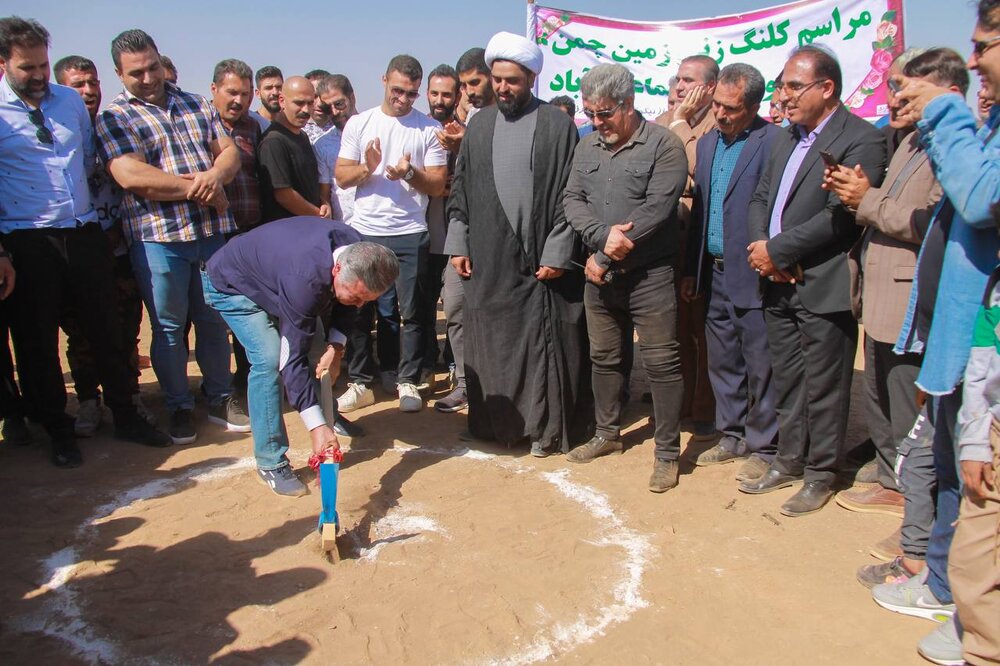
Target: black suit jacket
{"x":817,"y":230}
{"x":740,"y":280}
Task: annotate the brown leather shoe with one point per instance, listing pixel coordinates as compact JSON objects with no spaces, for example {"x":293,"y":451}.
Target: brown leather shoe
{"x":664,"y":477}
{"x":889,"y":547}
{"x":811,"y":497}
{"x":595,"y":448}
{"x":872,"y":500}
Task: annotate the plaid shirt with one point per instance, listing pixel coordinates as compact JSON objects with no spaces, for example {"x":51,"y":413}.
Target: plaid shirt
{"x":176,"y":139}
{"x":243,"y":192}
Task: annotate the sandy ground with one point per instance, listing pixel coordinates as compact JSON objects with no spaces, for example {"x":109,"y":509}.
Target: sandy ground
{"x":450,"y":556}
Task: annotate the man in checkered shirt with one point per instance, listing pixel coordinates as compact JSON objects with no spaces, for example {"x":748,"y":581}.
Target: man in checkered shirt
{"x":162,"y":146}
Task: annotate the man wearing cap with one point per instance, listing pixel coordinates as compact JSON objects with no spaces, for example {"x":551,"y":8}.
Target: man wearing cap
{"x":527,"y":371}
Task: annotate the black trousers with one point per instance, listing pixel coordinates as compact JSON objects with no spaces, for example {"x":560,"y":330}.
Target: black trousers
{"x":812,"y":357}
{"x":433,"y":284}
{"x":56,"y":266}
{"x":10,"y":397}
{"x":644,"y":299}
{"x":411,"y":250}
{"x":891,"y":393}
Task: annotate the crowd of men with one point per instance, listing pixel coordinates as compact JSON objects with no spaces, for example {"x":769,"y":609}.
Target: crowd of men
{"x":739,"y":253}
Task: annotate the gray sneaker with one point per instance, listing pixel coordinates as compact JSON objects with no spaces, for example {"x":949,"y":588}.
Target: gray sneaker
{"x":230,"y":414}
{"x":283,"y":481}
{"x":455,"y":401}
{"x":943,"y":645}
{"x":912,"y":597}
{"x":597,"y":446}
{"x":664,"y":477}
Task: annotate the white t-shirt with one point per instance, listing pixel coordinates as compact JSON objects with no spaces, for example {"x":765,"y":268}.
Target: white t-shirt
{"x":384,"y":207}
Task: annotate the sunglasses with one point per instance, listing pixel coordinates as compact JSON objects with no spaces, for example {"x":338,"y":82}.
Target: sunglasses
{"x":603,"y":114}
{"x":42,"y":133}
{"x":796,"y":89}
{"x":979,"y":48}
{"x":408,"y":94}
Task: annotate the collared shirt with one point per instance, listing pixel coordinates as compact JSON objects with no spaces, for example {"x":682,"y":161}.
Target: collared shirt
{"x":791,"y":170}
{"x":176,"y":139}
{"x":243,"y":192}
{"x":723,"y":163}
{"x":639,"y":182}
{"x":314,"y":131}
{"x":45,"y":185}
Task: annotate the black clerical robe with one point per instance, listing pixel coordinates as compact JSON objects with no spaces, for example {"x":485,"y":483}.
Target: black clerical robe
{"x":526,"y":350}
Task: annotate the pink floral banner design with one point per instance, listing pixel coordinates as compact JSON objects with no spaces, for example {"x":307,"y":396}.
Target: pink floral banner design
{"x":864,"y":34}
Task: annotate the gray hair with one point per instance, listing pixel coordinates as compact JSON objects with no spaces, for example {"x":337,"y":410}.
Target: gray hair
{"x":375,"y":265}
{"x":751,"y":79}
{"x":612,"y":81}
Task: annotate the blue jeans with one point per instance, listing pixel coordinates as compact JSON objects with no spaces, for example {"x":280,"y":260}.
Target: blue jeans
{"x":167,"y":275}
{"x":257,"y":331}
{"x":949,"y":493}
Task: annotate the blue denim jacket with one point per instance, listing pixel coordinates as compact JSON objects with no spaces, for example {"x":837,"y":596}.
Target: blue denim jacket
{"x":968,"y":168}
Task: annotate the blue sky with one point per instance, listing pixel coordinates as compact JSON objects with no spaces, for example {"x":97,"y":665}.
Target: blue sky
{"x":359,"y":38}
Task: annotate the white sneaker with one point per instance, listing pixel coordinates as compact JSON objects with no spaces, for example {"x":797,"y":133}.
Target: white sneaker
{"x":142,"y":410}
{"x":355,"y":397}
{"x":88,"y":418}
{"x":389,"y":381}
{"x":409,"y":398}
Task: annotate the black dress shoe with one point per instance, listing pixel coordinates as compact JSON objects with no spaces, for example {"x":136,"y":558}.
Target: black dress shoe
{"x":772,"y":480}
{"x":811,"y":497}
{"x":345,"y":428}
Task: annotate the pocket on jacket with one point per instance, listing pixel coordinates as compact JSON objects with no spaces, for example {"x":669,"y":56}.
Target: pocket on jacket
{"x":903,"y":273}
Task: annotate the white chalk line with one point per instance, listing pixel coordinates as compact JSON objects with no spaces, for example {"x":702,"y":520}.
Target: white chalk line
{"x":561,"y":638}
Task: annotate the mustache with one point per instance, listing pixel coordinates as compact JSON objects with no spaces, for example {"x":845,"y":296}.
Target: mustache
{"x":303,"y":115}
{"x":236,"y":106}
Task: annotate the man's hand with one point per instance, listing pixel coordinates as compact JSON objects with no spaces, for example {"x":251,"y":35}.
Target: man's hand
{"x":618,"y":245}
{"x":462,"y":266}
{"x":400,"y":170}
{"x":323,"y":438}
{"x":915,"y":95}
{"x":760,"y":261}
{"x":548,"y":273}
{"x":687,"y":289}
{"x":329,"y":362}
{"x":594,"y":271}
{"x":7,"y":275}
{"x":978,"y":478}
{"x":326,"y":211}
{"x":204,"y":186}
{"x":691,"y":103}
{"x":219,"y":202}
{"x":848,"y":184}
{"x":451,"y":136}
{"x":373,"y":155}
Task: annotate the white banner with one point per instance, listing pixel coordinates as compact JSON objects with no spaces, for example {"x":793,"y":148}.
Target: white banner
{"x":864,"y":34}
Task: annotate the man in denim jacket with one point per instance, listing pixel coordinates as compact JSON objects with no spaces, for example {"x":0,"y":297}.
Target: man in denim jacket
{"x":961,"y":248}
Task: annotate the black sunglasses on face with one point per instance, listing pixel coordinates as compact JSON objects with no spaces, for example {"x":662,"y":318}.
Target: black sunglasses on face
{"x":42,"y":133}
{"x":980,"y":47}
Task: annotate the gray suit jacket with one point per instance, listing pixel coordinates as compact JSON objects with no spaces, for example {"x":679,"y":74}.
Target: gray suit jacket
{"x":817,"y":229}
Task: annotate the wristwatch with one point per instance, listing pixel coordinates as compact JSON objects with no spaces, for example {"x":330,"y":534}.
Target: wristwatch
{"x":409,"y":173}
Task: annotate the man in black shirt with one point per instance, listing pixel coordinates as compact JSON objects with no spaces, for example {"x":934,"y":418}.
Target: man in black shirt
{"x":289,"y":176}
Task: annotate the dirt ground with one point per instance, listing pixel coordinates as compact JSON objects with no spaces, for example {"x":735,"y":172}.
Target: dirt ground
{"x":450,"y":556}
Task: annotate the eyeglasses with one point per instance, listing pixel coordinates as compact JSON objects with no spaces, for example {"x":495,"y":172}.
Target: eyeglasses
{"x":979,"y":48}
{"x":796,"y":89}
{"x":409,"y":94}
{"x":603,"y":114}
{"x":42,"y":133}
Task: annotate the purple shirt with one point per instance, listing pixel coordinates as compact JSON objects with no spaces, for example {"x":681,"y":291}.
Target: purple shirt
{"x":791,"y":170}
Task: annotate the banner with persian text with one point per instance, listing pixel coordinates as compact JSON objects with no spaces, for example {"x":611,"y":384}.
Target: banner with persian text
{"x":864,"y":34}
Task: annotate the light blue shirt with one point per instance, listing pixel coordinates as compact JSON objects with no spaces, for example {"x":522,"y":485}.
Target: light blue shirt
{"x":723,"y":163}
{"x":44,"y":186}
{"x":791,"y":170}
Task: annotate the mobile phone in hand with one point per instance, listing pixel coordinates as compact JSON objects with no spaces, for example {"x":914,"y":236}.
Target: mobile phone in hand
{"x":829,"y":159}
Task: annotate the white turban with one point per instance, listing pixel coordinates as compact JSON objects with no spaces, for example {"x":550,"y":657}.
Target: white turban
{"x":508,"y":46}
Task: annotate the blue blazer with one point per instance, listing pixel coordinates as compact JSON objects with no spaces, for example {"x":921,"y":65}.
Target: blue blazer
{"x":741,"y":283}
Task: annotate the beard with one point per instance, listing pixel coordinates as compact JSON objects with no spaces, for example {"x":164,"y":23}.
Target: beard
{"x":29,"y":88}
{"x":272,"y":107}
{"x":514,"y":107}
{"x":442,"y":113}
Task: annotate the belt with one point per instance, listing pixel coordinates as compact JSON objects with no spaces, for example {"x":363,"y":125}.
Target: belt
{"x":719,"y":262}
